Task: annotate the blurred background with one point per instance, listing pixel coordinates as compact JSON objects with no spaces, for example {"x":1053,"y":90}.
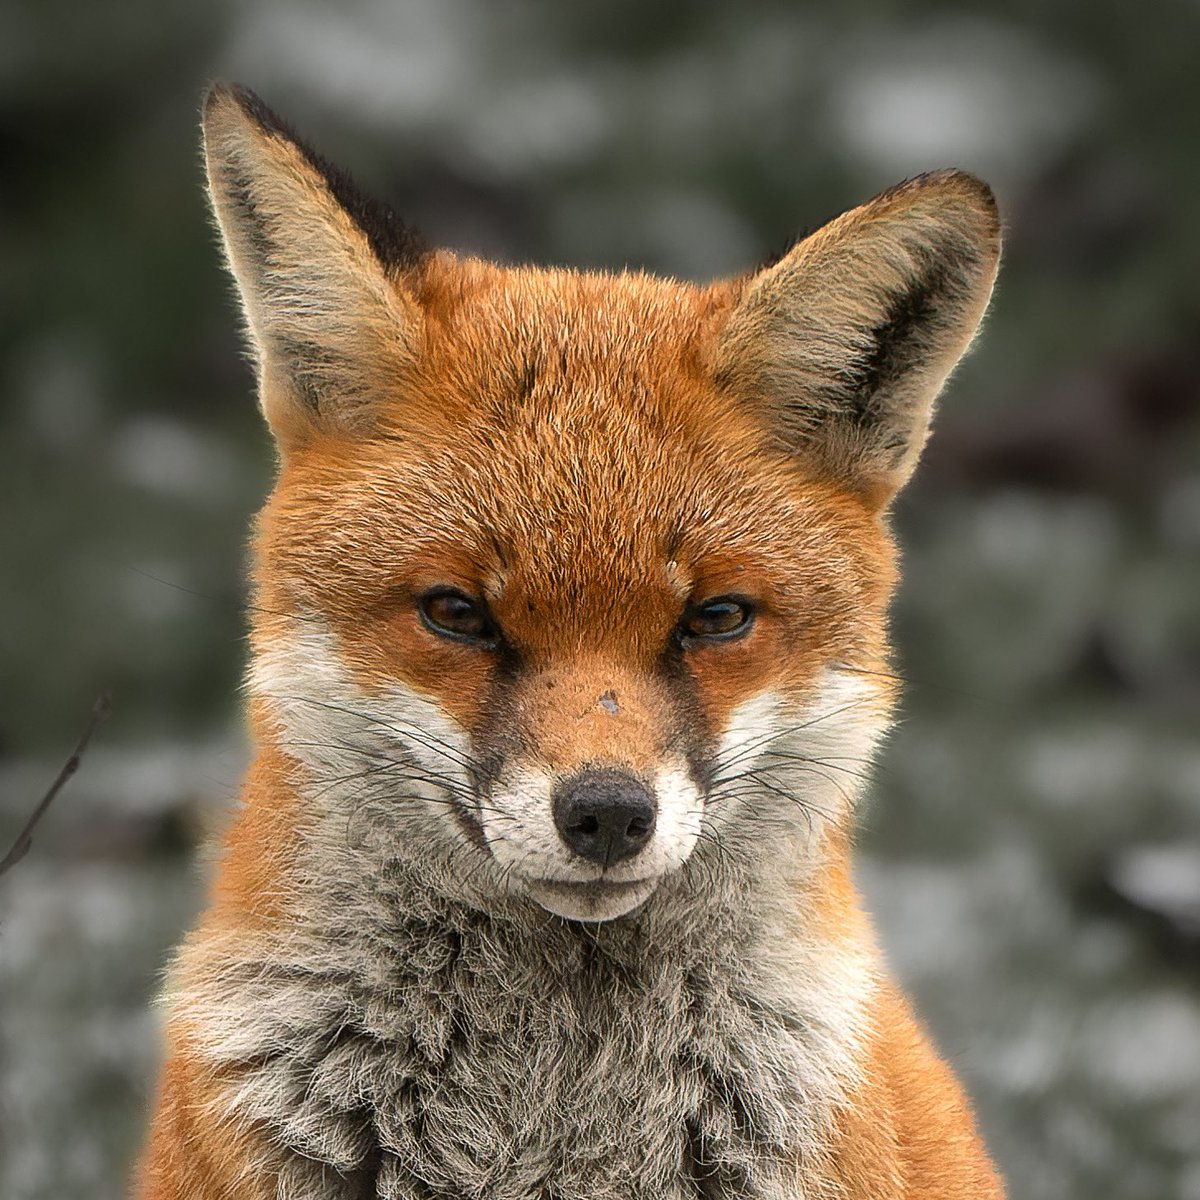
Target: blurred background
{"x":1032,"y":849}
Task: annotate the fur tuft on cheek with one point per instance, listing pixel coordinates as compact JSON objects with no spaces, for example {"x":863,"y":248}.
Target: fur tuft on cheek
{"x":798,"y":768}
{"x":391,"y":758}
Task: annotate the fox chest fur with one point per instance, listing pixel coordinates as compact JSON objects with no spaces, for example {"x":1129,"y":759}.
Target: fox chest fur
{"x":569,"y":658}
{"x":408,"y":1046}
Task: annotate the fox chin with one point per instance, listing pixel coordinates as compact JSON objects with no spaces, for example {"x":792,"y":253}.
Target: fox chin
{"x":569,"y":659}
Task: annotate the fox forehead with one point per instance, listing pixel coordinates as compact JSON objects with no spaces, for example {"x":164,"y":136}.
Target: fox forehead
{"x":561,"y":440}
{"x":557,"y":398}
{"x":561,"y":319}
{"x":560,"y":362}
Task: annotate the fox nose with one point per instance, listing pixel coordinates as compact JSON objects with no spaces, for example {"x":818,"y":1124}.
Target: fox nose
{"x":604,"y":815}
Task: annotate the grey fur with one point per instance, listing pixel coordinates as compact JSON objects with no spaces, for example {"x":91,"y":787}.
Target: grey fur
{"x":448,"y":1051}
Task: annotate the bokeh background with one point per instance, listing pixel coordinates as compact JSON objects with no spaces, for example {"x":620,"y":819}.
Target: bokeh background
{"x":1032,"y":850}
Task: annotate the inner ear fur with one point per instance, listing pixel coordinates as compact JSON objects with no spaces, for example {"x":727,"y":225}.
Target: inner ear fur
{"x":846,"y":341}
{"x":320,"y":269}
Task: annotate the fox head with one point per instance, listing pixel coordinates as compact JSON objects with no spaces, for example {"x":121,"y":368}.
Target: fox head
{"x":579,"y":581}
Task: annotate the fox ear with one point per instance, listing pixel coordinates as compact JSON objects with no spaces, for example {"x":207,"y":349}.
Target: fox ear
{"x":849,"y":337}
{"x":319,"y":267}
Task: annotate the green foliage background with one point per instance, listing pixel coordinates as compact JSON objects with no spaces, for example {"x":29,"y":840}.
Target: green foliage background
{"x":1050,"y":619}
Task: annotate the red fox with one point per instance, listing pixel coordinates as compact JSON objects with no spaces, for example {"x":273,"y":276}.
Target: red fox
{"x":568,"y":658}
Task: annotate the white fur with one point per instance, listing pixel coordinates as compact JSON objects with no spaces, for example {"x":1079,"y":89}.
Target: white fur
{"x":338,"y":731}
{"x":798,"y":766}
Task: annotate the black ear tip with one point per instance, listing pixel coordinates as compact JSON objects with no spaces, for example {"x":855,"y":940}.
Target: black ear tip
{"x":222,"y":94}
{"x":957,"y":195}
{"x":949,"y":182}
{"x":217,"y":94}
{"x":975,"y":187}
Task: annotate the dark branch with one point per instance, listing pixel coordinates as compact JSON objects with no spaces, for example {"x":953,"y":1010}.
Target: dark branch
{"x":20,"y":847}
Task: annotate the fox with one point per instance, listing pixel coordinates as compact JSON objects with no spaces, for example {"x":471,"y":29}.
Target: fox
{"x":568,"y":659}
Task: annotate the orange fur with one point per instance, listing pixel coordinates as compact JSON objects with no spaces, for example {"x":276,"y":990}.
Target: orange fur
{"x":907,"y":1132}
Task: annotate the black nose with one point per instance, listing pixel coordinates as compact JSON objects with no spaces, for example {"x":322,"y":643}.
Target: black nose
{"x":604,"y":815}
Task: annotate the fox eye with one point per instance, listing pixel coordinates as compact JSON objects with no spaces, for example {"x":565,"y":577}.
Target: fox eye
{"x":453,"y":614}
{"x":717,"y":620}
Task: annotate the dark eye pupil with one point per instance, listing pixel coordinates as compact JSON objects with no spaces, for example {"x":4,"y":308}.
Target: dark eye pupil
{"x":717,"y":618}
{"x":454,"y":613}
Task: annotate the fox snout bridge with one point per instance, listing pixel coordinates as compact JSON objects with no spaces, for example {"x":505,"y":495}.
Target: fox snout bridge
{"x":604,"y":815}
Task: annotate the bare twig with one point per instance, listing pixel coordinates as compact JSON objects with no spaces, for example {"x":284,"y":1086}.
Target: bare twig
{"x":20,"y":847}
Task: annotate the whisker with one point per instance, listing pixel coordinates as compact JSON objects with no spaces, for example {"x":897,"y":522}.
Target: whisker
{"x":386,"y":759}
{"x":755,"y":746}
{"x":832,"y":763}
{"x":430,"y":740}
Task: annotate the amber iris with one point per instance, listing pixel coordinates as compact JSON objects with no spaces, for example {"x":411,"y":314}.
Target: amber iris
{"x":454,"y":614}
{"x":718,"y":619}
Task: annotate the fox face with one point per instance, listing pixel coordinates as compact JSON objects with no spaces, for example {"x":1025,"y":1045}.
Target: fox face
{"x":578,"y":582}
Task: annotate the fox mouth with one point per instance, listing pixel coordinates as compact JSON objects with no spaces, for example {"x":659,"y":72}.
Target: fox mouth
{"x":590,"y":900}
